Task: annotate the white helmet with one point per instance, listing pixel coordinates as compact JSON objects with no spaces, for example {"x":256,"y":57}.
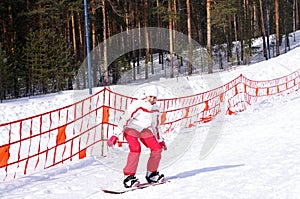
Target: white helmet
{"x":151,"y":91}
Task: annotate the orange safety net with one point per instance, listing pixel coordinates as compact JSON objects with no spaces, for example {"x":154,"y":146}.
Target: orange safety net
{"x":61,"y":135}
{"x":4,"y":155}
{"x":81,"y":129}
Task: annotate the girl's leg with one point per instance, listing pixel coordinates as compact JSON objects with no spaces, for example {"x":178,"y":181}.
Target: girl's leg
{"x":149,"y":140}
{"x":135,"y":150}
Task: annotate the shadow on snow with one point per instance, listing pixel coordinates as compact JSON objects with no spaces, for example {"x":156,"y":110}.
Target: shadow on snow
{"x":194,"y":172}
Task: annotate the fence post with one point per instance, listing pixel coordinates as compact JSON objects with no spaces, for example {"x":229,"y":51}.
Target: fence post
{"x":105,"y":120}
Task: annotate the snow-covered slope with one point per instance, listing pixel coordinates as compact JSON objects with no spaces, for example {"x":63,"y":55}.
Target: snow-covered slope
{"x":256,"y":154}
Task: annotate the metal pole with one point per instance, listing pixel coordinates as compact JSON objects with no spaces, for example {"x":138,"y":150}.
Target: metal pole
{"x":88,"y":46}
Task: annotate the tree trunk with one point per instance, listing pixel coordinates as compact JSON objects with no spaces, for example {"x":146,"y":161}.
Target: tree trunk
{"x":297,"y":14}
{"x":175,"y":27}
{"x":286,"y":29}
{"x":188,"y":6}
{"x":208,"y":9}
{"x":171,"y":39}
{"x":229,"y":36}
{"x":74,"y":35}
{"x":255,"y":20}
{"x":241,"y":29}
{"x":236,"y":41}
{"x":105,"y":66}
{"x":94,"y":69}
{"x":263,"y":29}
{"x":81,"y":47}
{"x":133,"y":53}
{"x":159,"y":36}
{"x":277,"y":26}
{"x":227,"y":44}
{"x":146,"y":14}
{"x":138,"y":17}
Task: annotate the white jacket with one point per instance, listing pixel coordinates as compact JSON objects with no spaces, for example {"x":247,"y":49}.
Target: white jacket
{"x":140,"y":115}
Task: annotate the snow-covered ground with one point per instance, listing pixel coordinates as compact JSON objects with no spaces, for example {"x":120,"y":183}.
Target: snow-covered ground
{"x":256,"y":155}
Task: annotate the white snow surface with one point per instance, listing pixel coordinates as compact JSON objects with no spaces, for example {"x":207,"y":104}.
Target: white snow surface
{"x":256,"y":155}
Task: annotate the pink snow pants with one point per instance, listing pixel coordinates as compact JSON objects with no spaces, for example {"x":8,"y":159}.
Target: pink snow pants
{"x":147,"y":138}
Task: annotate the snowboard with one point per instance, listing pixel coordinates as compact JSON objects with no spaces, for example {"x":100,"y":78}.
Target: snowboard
{"x":141,"y":186}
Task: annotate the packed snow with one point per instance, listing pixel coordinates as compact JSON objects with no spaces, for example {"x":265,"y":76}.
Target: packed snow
{"x":256,"y":154}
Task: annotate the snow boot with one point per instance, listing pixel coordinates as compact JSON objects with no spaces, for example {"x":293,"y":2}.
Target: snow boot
{"x":131,"y":181}
{"x":154,"y":177}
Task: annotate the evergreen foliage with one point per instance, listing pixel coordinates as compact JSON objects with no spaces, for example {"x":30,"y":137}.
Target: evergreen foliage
{"x":48,"y":58}
{"x":43,"y":41}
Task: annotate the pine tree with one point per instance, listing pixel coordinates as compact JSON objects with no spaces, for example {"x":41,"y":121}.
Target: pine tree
{"x":47,"y":56}
{"x":3,"y":62}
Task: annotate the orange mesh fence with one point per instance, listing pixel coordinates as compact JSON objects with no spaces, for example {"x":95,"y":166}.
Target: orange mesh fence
{"x":43,"y":141}
{"x":81,"y":129}
{"x":249,"y":91}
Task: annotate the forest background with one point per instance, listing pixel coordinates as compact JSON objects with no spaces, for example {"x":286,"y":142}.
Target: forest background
{"x":42,"y":42}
